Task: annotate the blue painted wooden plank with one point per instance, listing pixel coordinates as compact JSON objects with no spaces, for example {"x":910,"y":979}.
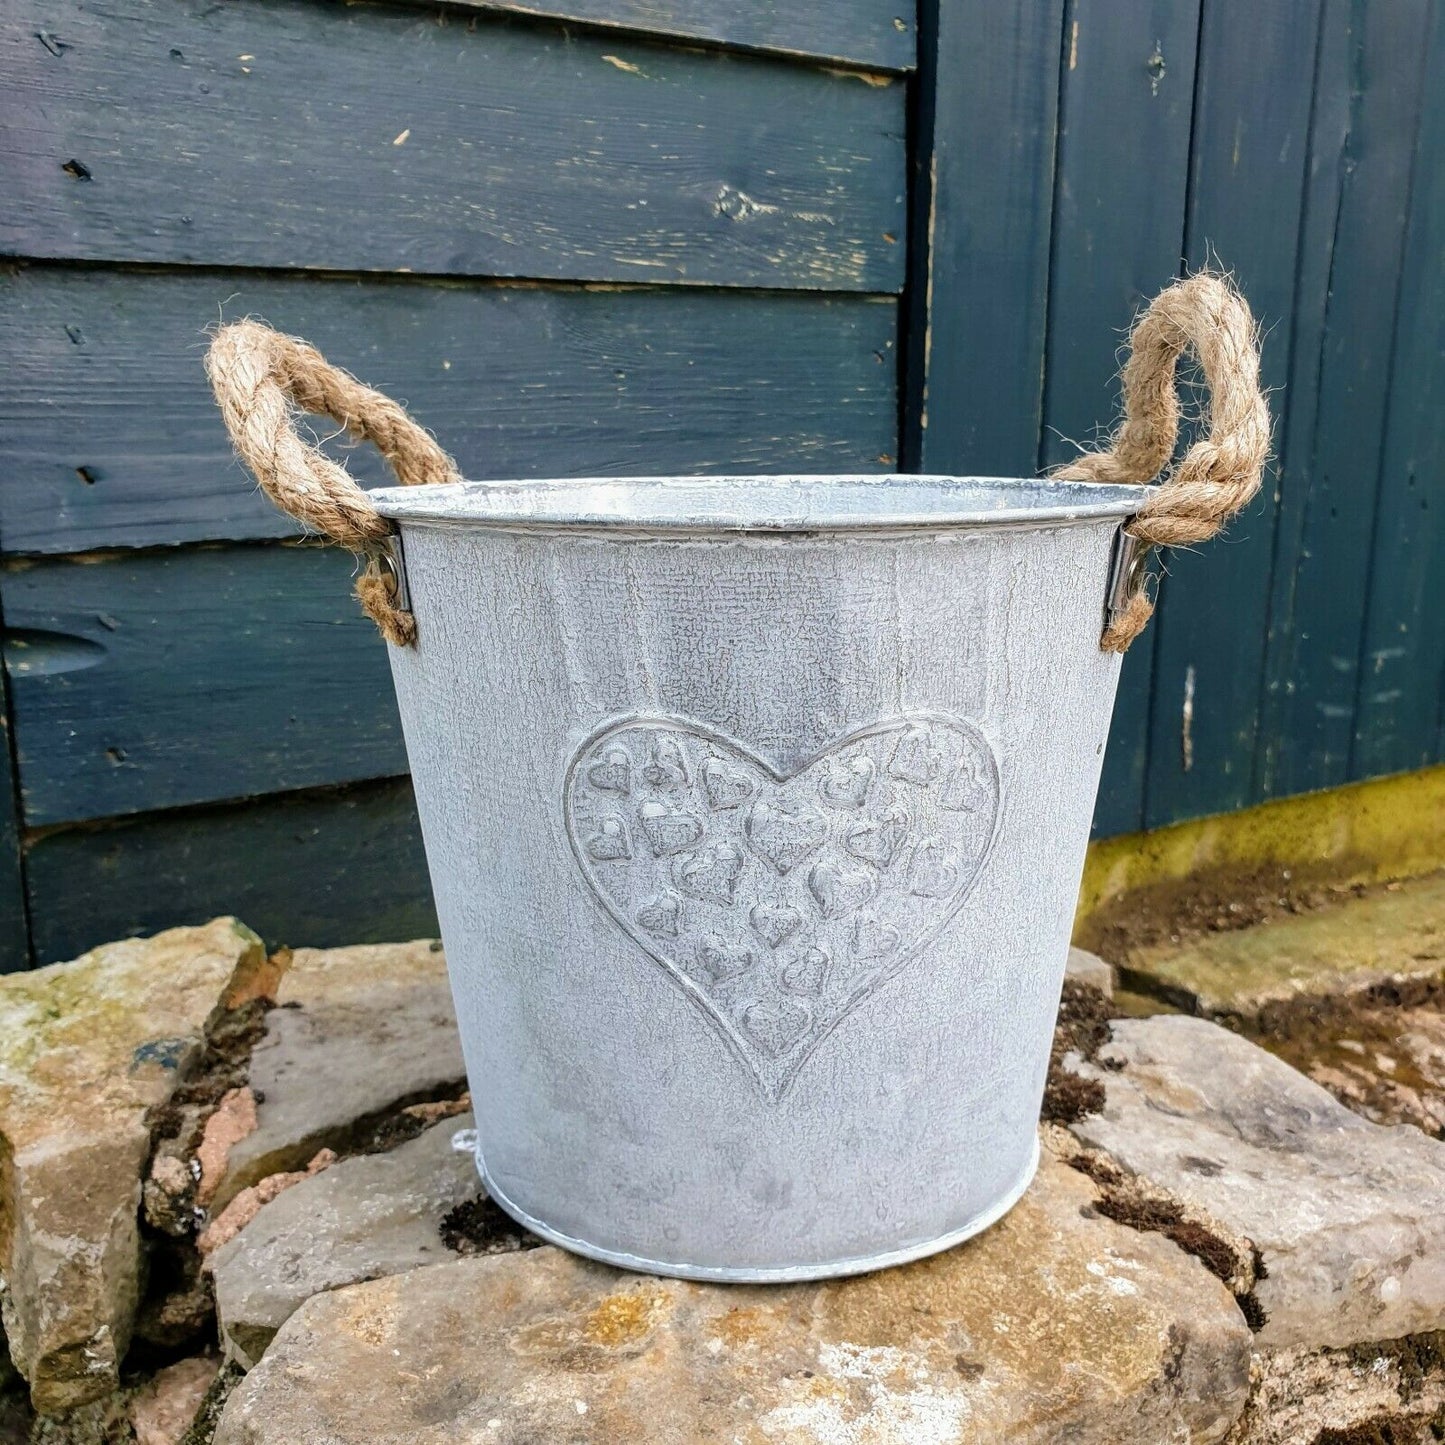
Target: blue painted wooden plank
{"x":1250,"y":148}
{"x":322,"y":869}
{"x":157,"y":679}
{"x":287,"y":133}
{"x":15,"y":952}
{"x":878,"y":34}
{"x":1118,"y":238}
{"x":1402,"y":672}
{"x":988,"y":83}
{"x":1369,"y":88}
{"x":109,"y":435}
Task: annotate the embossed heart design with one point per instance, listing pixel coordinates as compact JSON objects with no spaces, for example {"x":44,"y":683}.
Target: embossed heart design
{"x":780,"y":904}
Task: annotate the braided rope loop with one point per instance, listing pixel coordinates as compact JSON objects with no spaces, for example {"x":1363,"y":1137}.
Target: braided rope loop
{"x":264,"y":382}
{"x":1220,"y":472}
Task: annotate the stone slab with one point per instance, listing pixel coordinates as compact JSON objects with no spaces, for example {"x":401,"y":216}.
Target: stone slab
{"x":1055,"y":1325}
{"x":1349,"y":1216}
{"x":318,"y":1075}
{"x":374,"y":1215}
{"x":1086,"y":967}
{"x":1395,"y":932}
{"x":87,"y":1050}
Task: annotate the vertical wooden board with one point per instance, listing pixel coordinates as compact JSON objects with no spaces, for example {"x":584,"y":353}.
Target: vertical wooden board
{"x":1402,"y":669}
{"x":988,"y":83}
{"x":1250,"y":148}
{"x":290,"y":133}
{"x":1330,"y":121}
{"x":1322,"y":567}
{"x":109,"y":434}
{"x":1118,"y":238}
{"x":14,"y":919}
{"x":159,"y":679}
{"x":319,"y":869}
{"x":874,"y":33}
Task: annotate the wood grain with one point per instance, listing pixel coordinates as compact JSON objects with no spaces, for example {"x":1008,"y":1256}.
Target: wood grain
{"x":158,"y":679}
{"x":1253,"y":97}
{"x":358,"y":851}
{"x":989,"y":90}
{"x":290,"y":133}
{"x":1118,"y":239}
{"x":874,"y":33}
{"x":1363,"y":148}
{"x":109,"y":435}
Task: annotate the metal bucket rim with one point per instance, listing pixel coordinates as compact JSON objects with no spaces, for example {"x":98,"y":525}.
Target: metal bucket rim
{"x":783,"y":503}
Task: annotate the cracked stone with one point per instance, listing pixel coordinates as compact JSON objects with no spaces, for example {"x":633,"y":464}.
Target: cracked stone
{"x":375,"y":1215}
{"x":1055,"y":1325}
{"x":1089,"y":968}
{"x":1349,"y":1216}
{"x":88,"y":1050}
{"x":314,"y":1074}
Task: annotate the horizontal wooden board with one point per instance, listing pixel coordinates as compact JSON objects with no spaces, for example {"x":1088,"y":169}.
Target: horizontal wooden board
{"x":293,"y":133}
{"x":109,"y":435}
{"x":327,"y":868}
{"x":878,"y":34}
{"x":157,"y":679}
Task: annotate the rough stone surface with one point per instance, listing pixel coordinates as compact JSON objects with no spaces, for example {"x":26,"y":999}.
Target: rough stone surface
{"x":161,"y":1411}
{"x":87,"y":1050}
{"x":363,"y":1218}
{"x":1089,"y":968}
{"x":1349,"y":1216}
{"x":1396,"y":933}
{"x":1388,"y":1396}
{"x":317,"y":1076}
{"x":1056,"y":1325}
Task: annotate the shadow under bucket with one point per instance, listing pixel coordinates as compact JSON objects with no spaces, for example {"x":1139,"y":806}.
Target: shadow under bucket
{"x":756,"y":810}
{"x":755,"y":807}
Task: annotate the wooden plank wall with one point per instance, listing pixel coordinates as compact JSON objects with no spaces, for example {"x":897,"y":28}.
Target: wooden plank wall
{"x":1077,"y":156}
{"x":597,"y":237}
{"x":611,"y":236}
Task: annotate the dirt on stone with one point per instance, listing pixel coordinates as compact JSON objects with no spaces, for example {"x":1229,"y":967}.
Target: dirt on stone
{"x":1354,"y":1044}
{"x":478,"y":1226}
{"x":1083,"y":1029}
{"x":1387,"y":1430}
{"x":1182,"y":911}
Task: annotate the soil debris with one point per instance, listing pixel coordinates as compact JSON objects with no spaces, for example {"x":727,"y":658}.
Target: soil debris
{"x":1081,"y":1031}
{"x":478,"y":1226}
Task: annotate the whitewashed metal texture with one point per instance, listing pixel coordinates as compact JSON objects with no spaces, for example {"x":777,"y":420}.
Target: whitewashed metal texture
{"x":756,"y":851}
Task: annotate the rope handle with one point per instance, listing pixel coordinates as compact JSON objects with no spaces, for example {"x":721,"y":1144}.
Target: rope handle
{"x":263,"y":382}
{"x":1221,"y":471}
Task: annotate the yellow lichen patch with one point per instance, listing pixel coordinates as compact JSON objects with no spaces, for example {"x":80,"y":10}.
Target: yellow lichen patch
{"x":623,"y":1319}
{"x":739,"y":1327}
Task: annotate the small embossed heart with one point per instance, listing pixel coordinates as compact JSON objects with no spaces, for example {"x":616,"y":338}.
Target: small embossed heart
{"x":710,"y":874}
{"x":784,"y":833}
{"x":846,"y":781}
{"x":880,"y":841}
{"x":780,"y":903}
{"x":774,"y":923}
{"x":668,"y":832}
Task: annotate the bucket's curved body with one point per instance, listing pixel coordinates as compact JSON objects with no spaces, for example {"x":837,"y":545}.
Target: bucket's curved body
{"x":755,"y":812}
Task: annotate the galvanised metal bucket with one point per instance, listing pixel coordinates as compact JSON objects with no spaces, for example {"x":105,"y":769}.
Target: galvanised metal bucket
{"x":756,"y":810}
{"x":756,"y":807}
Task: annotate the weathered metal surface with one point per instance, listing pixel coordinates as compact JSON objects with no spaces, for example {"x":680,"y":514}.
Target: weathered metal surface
{"x":755,"y":811}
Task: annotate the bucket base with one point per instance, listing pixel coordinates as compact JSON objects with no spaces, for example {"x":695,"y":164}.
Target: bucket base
{"x":771,"y":1274}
